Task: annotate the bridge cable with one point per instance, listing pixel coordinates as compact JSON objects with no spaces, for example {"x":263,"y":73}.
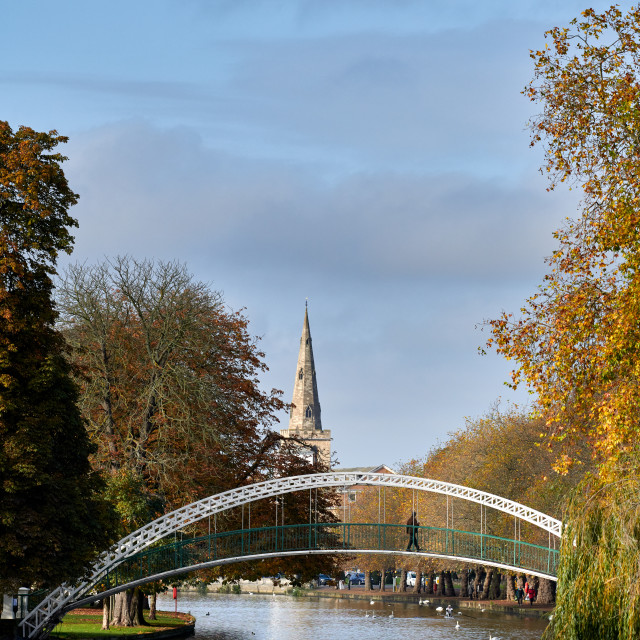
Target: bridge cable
{"x":384,"y":498}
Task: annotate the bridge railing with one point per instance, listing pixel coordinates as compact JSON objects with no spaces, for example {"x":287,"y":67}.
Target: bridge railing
{"x":181,"y":555}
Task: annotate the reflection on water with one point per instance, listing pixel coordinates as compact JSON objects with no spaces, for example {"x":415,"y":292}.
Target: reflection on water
{"x":262,"y":617}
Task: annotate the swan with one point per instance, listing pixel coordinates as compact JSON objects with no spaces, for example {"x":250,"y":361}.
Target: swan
{"x":371,"y":602}
{"x":392,"y":616}
{"x":457,"y":624}
{"x":438,"y":608}
{"x":366,"y":615}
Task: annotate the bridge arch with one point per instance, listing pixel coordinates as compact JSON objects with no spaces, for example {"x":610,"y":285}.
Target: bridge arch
{"x":38,"y":621}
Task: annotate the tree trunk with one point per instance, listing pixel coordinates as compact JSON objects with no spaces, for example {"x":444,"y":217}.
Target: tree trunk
{"x":418,"y":585}
{"x":480,"y":576}
{"x":403,"y":580}
{"x":484,"y":595}
{"x":521,"y":580}
{"x":464,"y":584}
{"x":430,"y":581}
{"x":449,"y":591}
{"x":441,"y":588}
{"x":139,"y":612}
{"x":494,"y":593}
{"x":105,"y":614}
{"x":511,"y":587}
{"x":152,"y":606}
{"x":367,"y":579}
{"x":547,"y":591}
{"x":121,"y":616}
{"x":127,"y":609}
{"x":383,"y":579}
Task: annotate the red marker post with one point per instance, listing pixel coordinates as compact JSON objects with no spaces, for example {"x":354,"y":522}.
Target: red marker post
{"x":175,"y":598}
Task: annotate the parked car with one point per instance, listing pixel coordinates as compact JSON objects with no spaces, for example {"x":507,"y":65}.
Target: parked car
{"x":325,"y":580}
{"x":356,"y":578}
{"x":411,"y":578}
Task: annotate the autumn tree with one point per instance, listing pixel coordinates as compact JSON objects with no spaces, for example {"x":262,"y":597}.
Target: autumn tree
{"x":53,"y":520}
{"x":171,"y":392}
{"x":576,"y":343}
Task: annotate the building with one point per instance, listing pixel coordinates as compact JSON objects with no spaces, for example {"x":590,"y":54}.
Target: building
{"x":353,"y":491}
{"x":305,"y":421}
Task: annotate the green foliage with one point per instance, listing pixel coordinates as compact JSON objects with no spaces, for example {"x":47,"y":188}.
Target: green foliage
{"x":126,"y":491}
{"x":599,"y":571}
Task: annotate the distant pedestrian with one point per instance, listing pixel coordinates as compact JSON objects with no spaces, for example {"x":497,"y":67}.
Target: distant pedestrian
{"x":412,"y":530}
{"x":470,"y":590}
{"x":532,"y":595}
{"x":519,"y":595}
{"x":347,"y":580}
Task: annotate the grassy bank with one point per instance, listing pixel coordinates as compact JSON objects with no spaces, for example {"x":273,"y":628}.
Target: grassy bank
{"x":87,"y":623}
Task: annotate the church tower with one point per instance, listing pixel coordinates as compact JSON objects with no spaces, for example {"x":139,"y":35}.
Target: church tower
{"x":304,"y":418}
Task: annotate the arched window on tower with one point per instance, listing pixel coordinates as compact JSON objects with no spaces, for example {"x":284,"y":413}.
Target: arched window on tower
{"x":309,"y":412}
{"x":300,"y":374}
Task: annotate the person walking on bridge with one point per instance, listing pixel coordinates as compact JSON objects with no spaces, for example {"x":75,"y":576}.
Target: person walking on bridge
{"x":412,"y":530}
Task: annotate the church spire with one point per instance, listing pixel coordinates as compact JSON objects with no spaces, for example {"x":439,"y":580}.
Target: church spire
{"x":305,"y":414}
{"x":304,"y":420}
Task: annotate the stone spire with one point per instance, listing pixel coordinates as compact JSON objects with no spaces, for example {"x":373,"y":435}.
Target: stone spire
{"x":305,"y":414}
{"x":304,"y":419}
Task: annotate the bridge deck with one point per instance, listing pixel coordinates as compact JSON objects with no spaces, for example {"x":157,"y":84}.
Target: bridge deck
{"x":188,"y":554}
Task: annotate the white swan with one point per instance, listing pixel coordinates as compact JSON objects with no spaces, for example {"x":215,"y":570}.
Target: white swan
{"x":457,"y":624}
{"x":392,"y":616}
{"x":439,"y":609}
{"x":371,"y":602}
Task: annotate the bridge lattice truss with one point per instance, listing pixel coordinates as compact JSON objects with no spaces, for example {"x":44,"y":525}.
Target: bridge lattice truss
{"x":41,"y":619}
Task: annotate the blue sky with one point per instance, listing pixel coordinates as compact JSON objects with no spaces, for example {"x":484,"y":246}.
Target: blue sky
{"x":371,"y":156}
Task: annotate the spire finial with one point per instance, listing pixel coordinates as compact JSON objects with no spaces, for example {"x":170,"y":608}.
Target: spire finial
{"x":306,"y":302}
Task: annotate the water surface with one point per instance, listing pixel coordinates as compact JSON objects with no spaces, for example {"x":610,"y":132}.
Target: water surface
{"x":265,"y":617}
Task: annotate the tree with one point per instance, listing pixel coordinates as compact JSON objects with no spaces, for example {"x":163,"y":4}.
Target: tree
{"x":171,"y":395}
{"x":577,"y":343}
{"x":53,"y":520}
{"x":170,"y":385}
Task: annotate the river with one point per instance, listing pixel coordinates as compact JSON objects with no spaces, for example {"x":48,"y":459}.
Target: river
{"x":264,"y":617}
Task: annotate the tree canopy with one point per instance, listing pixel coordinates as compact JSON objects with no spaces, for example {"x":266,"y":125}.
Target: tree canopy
{"x":576,"y":343}
{"x":53,"y":520}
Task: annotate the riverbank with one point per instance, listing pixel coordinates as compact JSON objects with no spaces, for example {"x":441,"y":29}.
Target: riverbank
{"x":87,"y":623}
{"x":507,"y":606}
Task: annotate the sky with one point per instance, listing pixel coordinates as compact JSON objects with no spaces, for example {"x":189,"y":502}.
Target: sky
{"x":369,"y":156}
